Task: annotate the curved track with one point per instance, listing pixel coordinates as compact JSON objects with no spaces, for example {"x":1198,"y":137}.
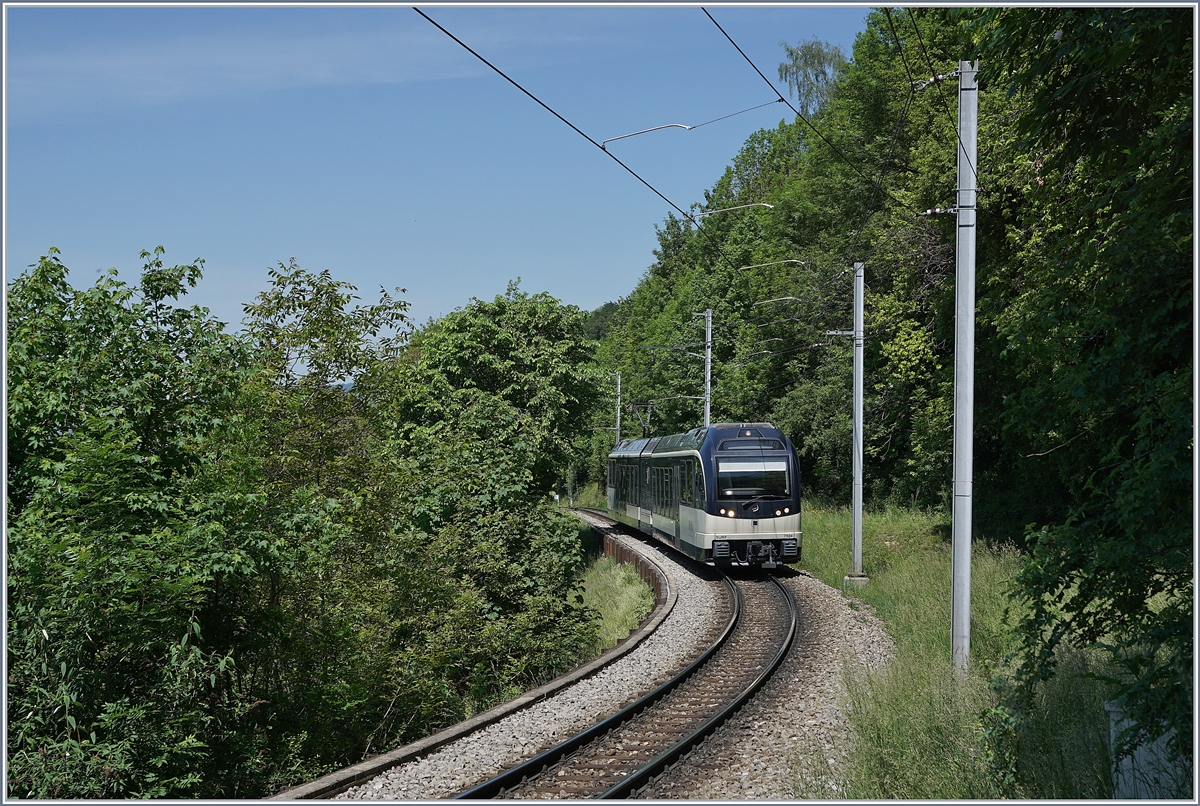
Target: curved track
{"x":622,"y":754}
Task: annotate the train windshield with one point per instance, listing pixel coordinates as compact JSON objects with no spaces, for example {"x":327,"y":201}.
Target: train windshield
{"x":745,"y":479}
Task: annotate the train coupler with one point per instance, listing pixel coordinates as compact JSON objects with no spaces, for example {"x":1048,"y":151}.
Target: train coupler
{"x":759,"y":553}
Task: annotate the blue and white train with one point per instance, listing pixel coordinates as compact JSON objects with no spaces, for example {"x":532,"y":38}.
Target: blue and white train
{"x":725,"y":493}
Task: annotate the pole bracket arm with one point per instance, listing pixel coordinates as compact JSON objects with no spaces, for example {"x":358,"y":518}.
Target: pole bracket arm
{"x":918,"y":86}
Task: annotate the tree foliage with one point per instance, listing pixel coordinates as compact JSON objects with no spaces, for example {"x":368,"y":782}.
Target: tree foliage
{"x":1100,"y":314}
{"x":1083,"y":414}
{"x":810,"y":71}
{"x":233,"y":566}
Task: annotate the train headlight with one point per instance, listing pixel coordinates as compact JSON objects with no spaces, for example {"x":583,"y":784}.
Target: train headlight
{"x":730,"y":513}
{"x":777,"y":512}
{"x":722,"y":510}
{"x":786,"y":510}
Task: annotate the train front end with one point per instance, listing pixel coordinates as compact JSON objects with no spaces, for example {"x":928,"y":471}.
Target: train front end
{"x":753,"y":503}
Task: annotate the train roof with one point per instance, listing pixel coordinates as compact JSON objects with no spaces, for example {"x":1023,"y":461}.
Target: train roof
{"x":692,"y":440}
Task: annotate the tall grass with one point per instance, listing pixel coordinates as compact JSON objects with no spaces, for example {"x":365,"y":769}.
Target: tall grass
{"x":591,"y":495}
{"x":920,"y":731}
{"x":619,"y":595}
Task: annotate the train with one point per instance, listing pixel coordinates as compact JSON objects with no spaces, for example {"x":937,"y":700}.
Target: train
{"x":726,"y":494}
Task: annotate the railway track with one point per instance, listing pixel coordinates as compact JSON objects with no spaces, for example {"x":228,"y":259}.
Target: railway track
{"x":622,"y":754}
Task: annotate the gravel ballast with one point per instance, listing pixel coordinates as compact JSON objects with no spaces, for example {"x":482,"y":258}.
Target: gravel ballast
{"x":790,"y":741}
{"x":793,"y":738}
{"x":467,"y":761}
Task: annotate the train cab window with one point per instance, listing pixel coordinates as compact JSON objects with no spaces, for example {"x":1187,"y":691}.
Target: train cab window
{"x":742,"y":478}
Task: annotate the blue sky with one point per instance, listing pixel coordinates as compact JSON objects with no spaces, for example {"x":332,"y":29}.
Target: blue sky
{"x":365,"y":141}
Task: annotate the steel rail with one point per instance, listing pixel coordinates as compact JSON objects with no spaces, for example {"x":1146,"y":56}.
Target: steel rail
{"x":339,"y":781}
{"x":645,"y":775}
{"x":527,"y":772}
{"x":515,"y":776}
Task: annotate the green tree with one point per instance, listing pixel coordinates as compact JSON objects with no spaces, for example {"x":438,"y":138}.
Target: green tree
{"x":526,"y":351}
{"x":1100,"y":315}
{"x":482,"y":411}
{"x":228,"y":572}
{"x":120,"y":407}
{"x":811,"y":70}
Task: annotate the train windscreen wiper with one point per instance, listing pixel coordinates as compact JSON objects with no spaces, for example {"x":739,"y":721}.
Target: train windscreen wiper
{"x":765,"y":497}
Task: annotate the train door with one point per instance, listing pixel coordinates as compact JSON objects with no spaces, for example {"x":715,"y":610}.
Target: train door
{"x":646,"y":490}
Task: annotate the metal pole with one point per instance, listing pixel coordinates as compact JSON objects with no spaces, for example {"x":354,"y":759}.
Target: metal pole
{"x":856,"y":576}
{"x":858,"y":416}
{"x":707,"y":365}
{"x":964,"y":368}
{"x":618,"y":441}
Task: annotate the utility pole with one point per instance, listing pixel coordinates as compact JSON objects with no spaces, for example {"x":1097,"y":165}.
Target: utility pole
{"x":856,"y":577}
{"x":618,"y":439}
{"x":964,"y":366}
{"x":707,"y":363}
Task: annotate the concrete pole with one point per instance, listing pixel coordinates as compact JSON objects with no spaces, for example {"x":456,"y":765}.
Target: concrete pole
{"x":707,"y":365}
{"x":857,"y":577}
{"x":964,"y":368}
{"x":618,"y":440}
{"x":858,"y":416}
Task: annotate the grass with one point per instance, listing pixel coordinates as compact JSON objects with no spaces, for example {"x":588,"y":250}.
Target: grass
{"x":590,"y":495}
{"x":922,"y":733}
{"x":615,"y":591}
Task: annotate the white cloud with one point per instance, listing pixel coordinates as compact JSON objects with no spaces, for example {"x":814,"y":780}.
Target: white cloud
{"x":211,"y":66}
{"x":56,"y":81}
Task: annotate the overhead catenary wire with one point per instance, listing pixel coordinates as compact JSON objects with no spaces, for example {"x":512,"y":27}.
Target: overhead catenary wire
{"x":941,"y":97}
{"x":899,"y":46}
{"x":749,"y":359}
{"x":806,"y":121}
{"x":682,"y":125}
{"x":688,"y":216}
{"x":539,"y":102}
{"x":733,"y":114}
{"x":900,"y":121}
